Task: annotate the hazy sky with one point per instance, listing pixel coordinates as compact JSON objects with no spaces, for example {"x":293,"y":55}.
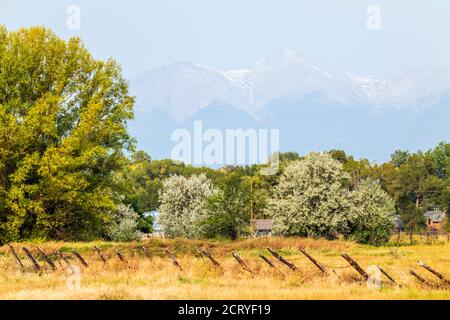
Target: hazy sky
{"x":232,"y":33}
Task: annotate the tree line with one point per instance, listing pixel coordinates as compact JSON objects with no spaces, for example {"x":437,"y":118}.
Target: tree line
{"x":69,"y":168}
{"x":320,"y":194}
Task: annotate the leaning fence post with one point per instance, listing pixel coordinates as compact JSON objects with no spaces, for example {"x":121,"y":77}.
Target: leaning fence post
{"x":66,"y":260}
{"x":58,"y":258}
{"x":280,"y":258}
{"x":271,"y":264}
{"x":421,"y":280}
{"x":434,"y":272}
{"x":267,"y":261}
{"x":99,"y":253}
{"x":46,"y":258}
{"x":210,"y":257}
{"x":314,"y":261}
{"x":241,"y":262}
{"x":146,"y":253}
{"x":19,"y":262}
{"x":174,"y":260}
{"x":36,"y":265}
{"x":121,"y":257}
{"x":80,"y":258}
{"x":387,"y":275}
{"x":355,"y":265}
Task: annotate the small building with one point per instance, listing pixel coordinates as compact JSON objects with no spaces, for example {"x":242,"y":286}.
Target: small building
{"x":262,"y":227}
{"x":435,"y":220}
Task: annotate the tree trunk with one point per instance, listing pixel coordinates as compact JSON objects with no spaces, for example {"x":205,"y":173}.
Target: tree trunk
{"x":233,"y":233}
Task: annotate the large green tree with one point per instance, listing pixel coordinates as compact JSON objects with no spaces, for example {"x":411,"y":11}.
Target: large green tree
{"x":63,"y":119}
{"x":230,"y":209}
{"x":372,"y":214}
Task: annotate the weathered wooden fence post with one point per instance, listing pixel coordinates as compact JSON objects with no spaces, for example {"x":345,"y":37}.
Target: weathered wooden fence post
{"x":266,"y":260}
{"x":36,"y":265}
{"x":314,"y":261}
{"x":242,"y":262}
{"x":280,"y":258}
{"x":146,"y":253}
{"x":121,"y":257}
{"x":434,"y":272}
{"x":100,"y":254}
{"x":19,"y":262}
{"x":387,"y":275}
{"x":174,"y":259}
{"x":210,"y":257}
{"x":80,"y":258}
{"x":355,"y":265}
{"x":47,"y":258}
{"x":64,"y":258}
{"x":421,"y":280}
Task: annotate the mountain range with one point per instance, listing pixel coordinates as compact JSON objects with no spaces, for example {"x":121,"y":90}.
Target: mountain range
{"x":315,"y":106}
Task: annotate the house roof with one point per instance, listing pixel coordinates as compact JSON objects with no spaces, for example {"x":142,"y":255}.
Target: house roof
{"x":263,"y":224}
{"x":435,"y":216}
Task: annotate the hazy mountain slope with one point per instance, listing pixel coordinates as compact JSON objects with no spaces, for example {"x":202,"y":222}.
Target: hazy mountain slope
{"x":315,"y":106}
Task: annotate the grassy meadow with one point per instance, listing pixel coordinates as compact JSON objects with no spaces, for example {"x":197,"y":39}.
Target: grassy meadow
{"x":153,"y":276}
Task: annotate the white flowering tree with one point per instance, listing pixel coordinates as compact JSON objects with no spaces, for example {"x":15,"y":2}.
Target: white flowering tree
{"x":183,"y":205}
{"x":124,"y":224}
{"x":372,"y":213}
{"x":310,"y":198}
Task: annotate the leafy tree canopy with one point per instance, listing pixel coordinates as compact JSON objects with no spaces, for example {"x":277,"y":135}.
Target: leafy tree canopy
{"x":63,"y":119}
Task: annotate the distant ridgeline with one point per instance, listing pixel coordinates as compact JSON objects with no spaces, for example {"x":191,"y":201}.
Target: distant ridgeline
{"x":314,"y":106}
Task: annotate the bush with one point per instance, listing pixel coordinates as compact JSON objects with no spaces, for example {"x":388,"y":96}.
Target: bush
{"x":124,"y":225}
{"x":375,"y":236}
{"x":372,"y":214}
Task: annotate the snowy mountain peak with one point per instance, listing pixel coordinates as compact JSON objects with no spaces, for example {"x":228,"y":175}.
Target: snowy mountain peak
{"x":183,"y":88}
{"x":282,"y":57}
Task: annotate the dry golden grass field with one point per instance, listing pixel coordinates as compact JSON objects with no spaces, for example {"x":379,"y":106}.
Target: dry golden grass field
{"x":153,"y":276}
